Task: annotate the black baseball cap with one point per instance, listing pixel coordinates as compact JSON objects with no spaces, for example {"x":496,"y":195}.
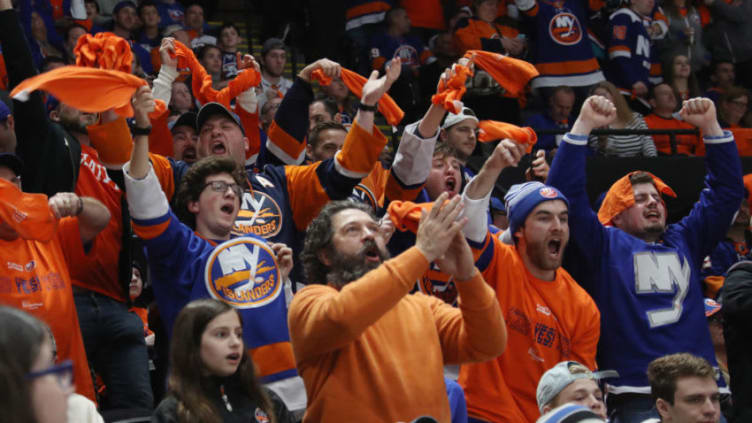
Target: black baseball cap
{"x":186,"y":119}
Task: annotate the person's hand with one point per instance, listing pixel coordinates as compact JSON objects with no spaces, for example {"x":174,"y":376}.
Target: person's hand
{"x":246,"y":61}
{"x":65,"y":204}
{"x":458,"y":259}
{"x":596,"y":111}
{"x":375,"y":87}
{"x":386,"y":226}
{"x":507,"y":153}
{"x":639,"y":89}
{"x":700,"y":112}
{"x":167,"y":51}
{"x":513,"y":46}
{"x":149,"y":340}
{"x":330,"y":68}
{"x":539,"y":168}
{"x":438,"y":227}
{"x":283,"y":253}
{"x":143,"y":104}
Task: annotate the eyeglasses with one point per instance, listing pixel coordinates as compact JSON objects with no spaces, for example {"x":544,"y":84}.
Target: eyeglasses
{"x":63,"y":373}
{"x":221,"y":186}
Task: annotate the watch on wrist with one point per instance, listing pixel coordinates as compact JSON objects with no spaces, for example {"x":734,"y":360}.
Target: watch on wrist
{"x":367,"y":108}
{"x":137,"y":130}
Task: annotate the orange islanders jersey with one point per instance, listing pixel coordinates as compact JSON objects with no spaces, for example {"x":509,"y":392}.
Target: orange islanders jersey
{"x":34,"y":278}
{"x":547,"y":322}
{"x":690,"y":145}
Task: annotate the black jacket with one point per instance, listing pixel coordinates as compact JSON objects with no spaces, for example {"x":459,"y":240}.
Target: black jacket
{"x":737,"y":328}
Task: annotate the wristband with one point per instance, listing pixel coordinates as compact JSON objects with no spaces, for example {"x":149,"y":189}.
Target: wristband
{"x":137,"y":130}
{"x":367,"y":108}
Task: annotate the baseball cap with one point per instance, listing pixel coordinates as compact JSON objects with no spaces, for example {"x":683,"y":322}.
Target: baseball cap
{"x":560,"y":376}
{"x":453,"y":119}
{"x":186,"y":119}
{"x":711,"y":307}
{"x":123,"y":4}
{"x":521,"y":199}
{"x":4,"y":111}
{"x":570,"y":413}
{"x":272,"y":44}
{"x":171,"y":29}
{"x":210,"y":109}
{"x":12,"y":162}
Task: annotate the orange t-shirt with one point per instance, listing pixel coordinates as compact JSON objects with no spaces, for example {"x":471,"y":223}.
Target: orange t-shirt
{"x":425,"y":13}
{"x":34,"y":277}
{"x":743,"y":139}
{"x":547,"y":322}
{"x":685,"y":144}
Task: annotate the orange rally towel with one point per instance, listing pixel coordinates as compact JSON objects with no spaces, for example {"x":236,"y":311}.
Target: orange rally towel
{"x":27,"y":214}
{"x":493,"y":130}
{"x":449,"y":93}
{"x":621,"y":197}
{"x":354,"y":82}
{"x":104,"y":50}
{"x":202,"y":82}
{"x":86,"y":89}
{"x":512,"y":74}
{"x":406,"y":215}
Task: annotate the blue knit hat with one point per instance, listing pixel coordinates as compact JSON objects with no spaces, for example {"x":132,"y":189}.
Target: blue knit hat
{"x":521,"y":199}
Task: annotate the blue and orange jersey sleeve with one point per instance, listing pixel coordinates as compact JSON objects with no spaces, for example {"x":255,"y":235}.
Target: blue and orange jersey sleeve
{"x":285,"y":143}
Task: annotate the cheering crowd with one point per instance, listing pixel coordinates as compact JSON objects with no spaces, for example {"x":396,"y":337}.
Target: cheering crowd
{"x":399,"y":233}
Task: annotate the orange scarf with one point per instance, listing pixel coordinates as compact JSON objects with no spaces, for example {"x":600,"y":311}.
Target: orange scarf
{"x":493,"y":130}
{"x":621,"y":197}
{"x":104,"y":50}
{"x":388,"y":108}
{"x":449,"y":93}
{"x":27,"y":214}
{"x":406,"y":215}
{"x":512,"y":74}
{"x":202,"y":82}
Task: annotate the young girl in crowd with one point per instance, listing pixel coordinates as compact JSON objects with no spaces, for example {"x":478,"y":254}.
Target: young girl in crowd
{"x":34,"y":388}
{"x":212,"y":377}
{"x":678,"y":74}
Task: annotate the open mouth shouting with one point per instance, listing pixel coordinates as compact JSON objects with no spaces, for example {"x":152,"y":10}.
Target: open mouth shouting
{"x":451,"y":185}
{"x":218,"y":147}
{"x":228,"y":208}
{"x":234,"y":358}
{"x":189,"y":154}
{"x":554,"y":247}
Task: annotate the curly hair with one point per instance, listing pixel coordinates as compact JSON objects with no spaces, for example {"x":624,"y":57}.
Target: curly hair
{"x":319,"y":235}
{"x":193,"y":183}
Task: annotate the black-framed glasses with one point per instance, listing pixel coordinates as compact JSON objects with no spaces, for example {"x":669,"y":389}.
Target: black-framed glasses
{"x":221,"y":186}
{"x":63,"y":373}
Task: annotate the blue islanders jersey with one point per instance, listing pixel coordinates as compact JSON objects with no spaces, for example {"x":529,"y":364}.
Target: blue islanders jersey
{"x":628,"y":50}
{"x":650,"y":294}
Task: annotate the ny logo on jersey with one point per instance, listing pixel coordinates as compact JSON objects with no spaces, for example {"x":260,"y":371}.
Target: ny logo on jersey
{"x":662,"y":273}
{"x":643,"y":46}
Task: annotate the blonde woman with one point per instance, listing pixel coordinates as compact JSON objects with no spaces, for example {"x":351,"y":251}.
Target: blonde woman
{"x":631,"y":145}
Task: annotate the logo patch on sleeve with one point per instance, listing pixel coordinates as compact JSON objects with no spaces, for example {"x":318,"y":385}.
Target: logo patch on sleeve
{"x":620,"y":32}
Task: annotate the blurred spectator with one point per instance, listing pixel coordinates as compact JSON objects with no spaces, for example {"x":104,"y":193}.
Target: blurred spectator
{"x":735,"y":247}
{"x":685,"y":33}
{"x":663,"y":101}
{"x":124,"y":20}
{"x":632,"y":145}
{"x":150,"y":35}
{"x":196,"y":25}
{"x":228,"y":43}
{"x":560,"y":105}
{"x":135,"y":289}
{"x":715,"y":325}
{"x":71,"y":36}
{"x":210,"y":56}
{"x":325,"y":140}
{"x":41,"y":34}
{"x":483,"y":32}
{"x":444,"y":48}
{"x":460,"y":132}
{"x":737,"y":325}
{"x":346,"y":102}
{"x":733,"y":105}
{"x":7,"y":130}
{"x":171,"y":12}
{"x":684,"y":389}
{"x":181,"y":100}
{"x":177,"y":32}
{"x":561,"y":49}
{"x":273,"y":59}
{"x":629,"y":52}
{"x":722,"y":76}
{"x":184,"y":138}
{"x":363,"y":18}
{"x":728,"y":36}
{"x":679,"y":74}
{"x":571,"y":382}
{"x":93,"y":16}
{"x":322,"y":110}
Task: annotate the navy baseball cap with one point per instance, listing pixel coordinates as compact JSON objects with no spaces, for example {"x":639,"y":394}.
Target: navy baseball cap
{"x":11,"y":161}
{"x":210,"y":109}
{"x":4,"y":111}
{"x":123,"y":4}
{"x":186,"y":119}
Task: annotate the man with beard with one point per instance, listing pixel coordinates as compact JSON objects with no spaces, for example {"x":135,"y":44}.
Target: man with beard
{"x":184,"y":138}
{"x":550,"y":318}
{"x":273,"y":59}
{"x":54,"y":142}
{"x":643,"y":274}
{"x":366,"y":350}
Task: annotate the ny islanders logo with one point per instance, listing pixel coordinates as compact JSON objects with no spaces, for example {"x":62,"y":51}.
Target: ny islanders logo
{"x":243,"y":273}
{"x":565,"y":29}
{"x":548,"y":192}
{"x":438,"y":284}
{"x":259,"y":214}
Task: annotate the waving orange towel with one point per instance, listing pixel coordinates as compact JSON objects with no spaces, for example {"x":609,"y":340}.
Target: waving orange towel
{"x":354,"y":82}
{"x":202,"y":82}
{"x":86,"y":89}
{"x":493,"y":130}
{"x":406,"y":215}
{"x":621,"y":197}
{"x":512,"y":74}
{"x":453,"y":90}
{"x":104,"y":50}
{"x":27,"y":214}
